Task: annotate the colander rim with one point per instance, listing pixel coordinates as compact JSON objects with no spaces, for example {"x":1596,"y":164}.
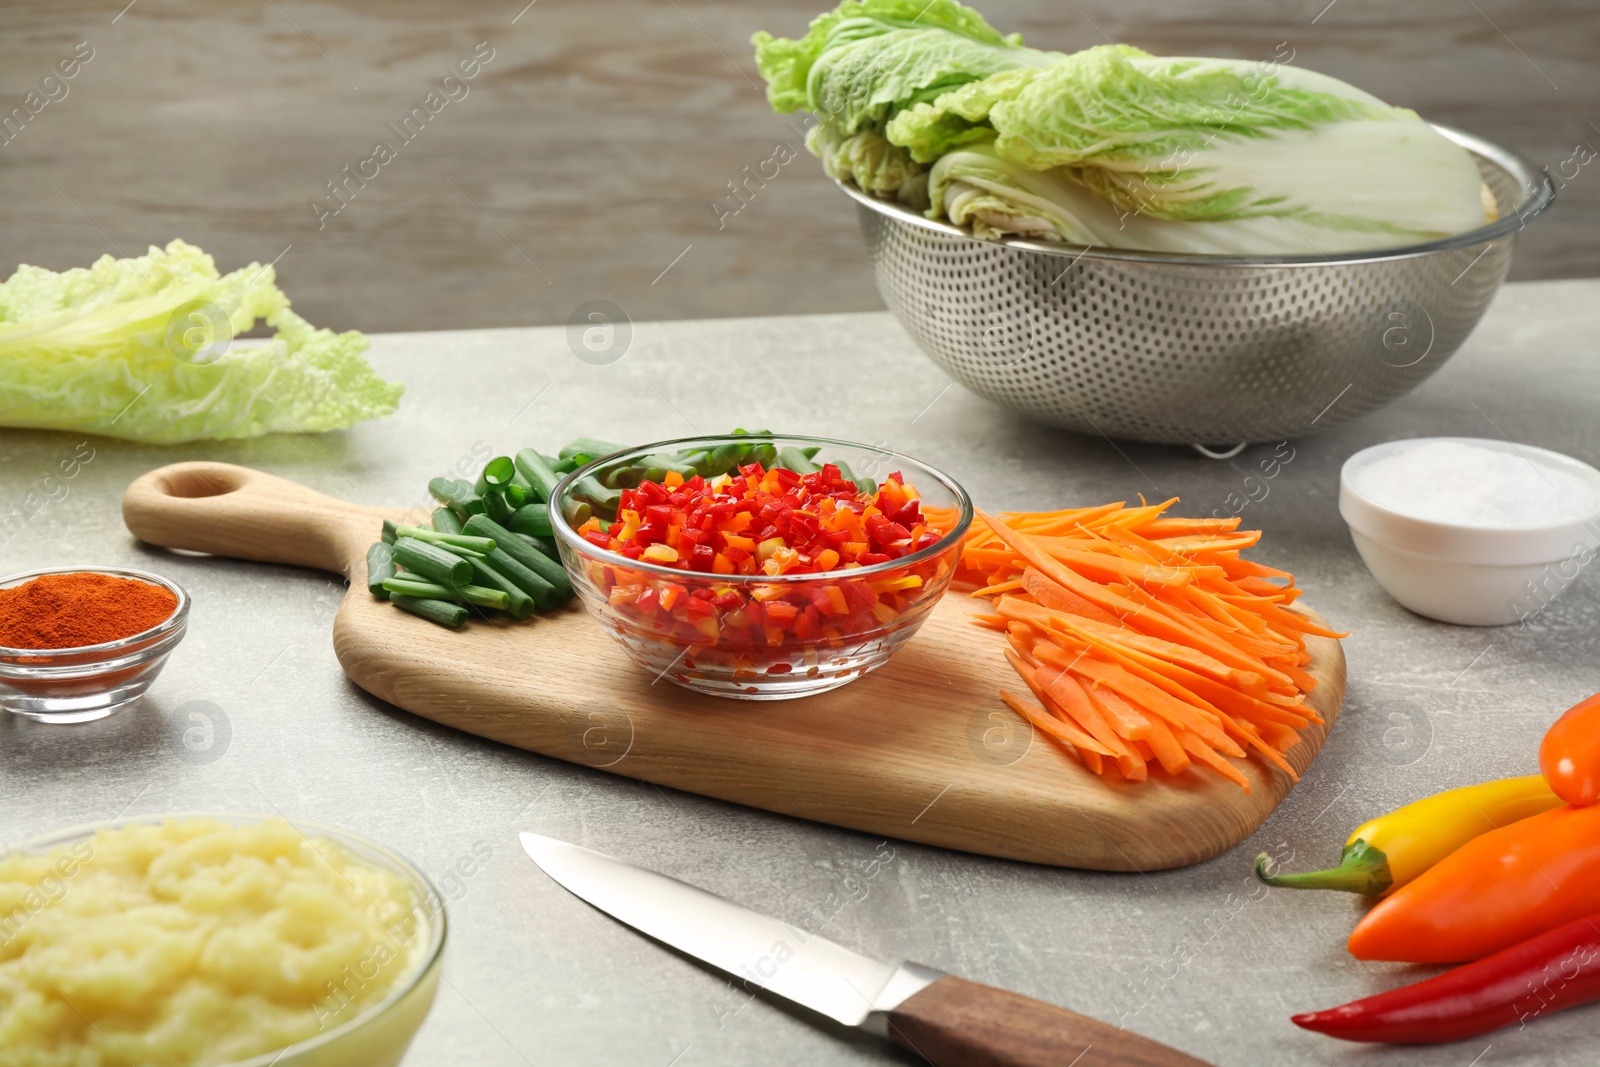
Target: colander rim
{"x":1538,"y":193}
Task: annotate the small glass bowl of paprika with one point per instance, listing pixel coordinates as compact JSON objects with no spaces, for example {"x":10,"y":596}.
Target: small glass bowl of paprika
{"x":94,"y":639}
{"x":757,"y":566}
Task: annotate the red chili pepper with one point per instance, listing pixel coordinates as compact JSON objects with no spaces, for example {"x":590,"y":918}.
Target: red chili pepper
{"x":1540,"y":976}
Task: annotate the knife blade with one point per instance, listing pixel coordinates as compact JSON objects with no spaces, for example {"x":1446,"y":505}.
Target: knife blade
{"x":949,"y":1021}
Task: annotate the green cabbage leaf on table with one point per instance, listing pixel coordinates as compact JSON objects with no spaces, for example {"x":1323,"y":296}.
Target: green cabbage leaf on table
{"x":145,"y":349}
{"x":1111,"y":145}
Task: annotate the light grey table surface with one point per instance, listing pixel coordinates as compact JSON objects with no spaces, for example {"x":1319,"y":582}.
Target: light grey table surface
{"x":1197,"y":958}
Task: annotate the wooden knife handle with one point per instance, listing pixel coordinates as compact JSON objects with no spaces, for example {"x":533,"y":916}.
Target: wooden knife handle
{"x":956,"y":1023}
{"x":235,"y":511}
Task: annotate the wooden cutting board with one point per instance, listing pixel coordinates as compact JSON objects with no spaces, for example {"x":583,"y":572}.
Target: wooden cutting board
{"x":921,"y":749}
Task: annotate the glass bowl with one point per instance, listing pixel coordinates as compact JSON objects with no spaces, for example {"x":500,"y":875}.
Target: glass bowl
{"x":65,"y":685}
{"x":757,"y":636}
{"x":379,"y":1036}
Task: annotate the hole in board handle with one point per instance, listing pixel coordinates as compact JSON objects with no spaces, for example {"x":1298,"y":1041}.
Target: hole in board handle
{"x":200,"y":482}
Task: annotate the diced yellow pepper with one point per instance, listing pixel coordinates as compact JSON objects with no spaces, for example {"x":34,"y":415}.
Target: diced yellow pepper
{"x":660,"y":554}
{"x":630,"y":525}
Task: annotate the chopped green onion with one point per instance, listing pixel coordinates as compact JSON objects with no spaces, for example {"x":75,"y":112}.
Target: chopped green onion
{"x":449,"y":540}
{"x":543,"y":544}
{"x":440,"y":611}
{"x":480,"y":595}
{"x":445,"y":521}
{"x":523,"y":552}
{"x":796,"y":460}
{"x":521,"y":605}
{"x":496,"y":506}
{"x":534,"y":468}
{"x":537,"y":470}
{"x":604,"y":501}
{"x":533,"y":520}
{"x":499,"y":471}
{"x":456,"y":495}
{"x":587,"y":450}
{"x":543,"y":593}
{"x":380,"y":568}
{"x":432,"y":561}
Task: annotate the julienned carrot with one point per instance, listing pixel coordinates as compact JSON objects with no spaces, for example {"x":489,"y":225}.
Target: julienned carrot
{"x":1099,"y":634}
{"x":1057,"y":689}
{"x":1146,"y":639}
{"x":1051,"y":595}
{"x":1054,"y":725}
{"x":1114,"y":602}
{"x":1141,"y":726}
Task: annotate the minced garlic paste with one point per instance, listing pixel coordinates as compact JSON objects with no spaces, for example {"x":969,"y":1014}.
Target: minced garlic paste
{"x":194,"y":943}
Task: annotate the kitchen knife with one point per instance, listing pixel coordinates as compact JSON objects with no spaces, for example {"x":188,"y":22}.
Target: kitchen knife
{"x":948,"y":1021}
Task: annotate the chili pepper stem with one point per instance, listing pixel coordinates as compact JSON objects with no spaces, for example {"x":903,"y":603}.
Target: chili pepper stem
{"x":1362,"y":869}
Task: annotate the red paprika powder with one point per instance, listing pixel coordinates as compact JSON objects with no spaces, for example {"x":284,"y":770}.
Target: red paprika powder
{"x":72,"y":610}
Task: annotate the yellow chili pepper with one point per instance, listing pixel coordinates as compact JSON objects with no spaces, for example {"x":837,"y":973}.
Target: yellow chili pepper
{"x":1384,"y":854}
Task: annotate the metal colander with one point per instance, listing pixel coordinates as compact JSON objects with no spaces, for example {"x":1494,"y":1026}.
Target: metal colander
{"x":1194,"y":348}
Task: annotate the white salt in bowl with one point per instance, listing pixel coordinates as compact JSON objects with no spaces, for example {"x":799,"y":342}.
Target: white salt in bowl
{"x":1466,"y":539}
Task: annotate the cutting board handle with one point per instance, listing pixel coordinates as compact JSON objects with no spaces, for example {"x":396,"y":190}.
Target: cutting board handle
{"x":226,"y":510}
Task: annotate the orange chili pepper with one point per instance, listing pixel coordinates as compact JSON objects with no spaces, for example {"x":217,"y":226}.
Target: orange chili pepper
{"x":1569,"y":755}
{"x":1493,"y":892}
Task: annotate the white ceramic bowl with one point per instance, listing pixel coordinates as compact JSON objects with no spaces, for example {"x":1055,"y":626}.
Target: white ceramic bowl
{"x":1469,"y":575}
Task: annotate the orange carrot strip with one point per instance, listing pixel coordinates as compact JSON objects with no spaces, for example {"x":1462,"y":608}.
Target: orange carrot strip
{"x":1255,"y":741}
{"x":1057,"y":687}
{"x":1279,"y":737}
{"x":1055,"y":727}
{"x":1065,"y":523}
{"x":1150,"y":698}
{"x":1060,"y":598}
{"x":1002,"y":587}
{"x":1173,"y":527}
{"x":1243,"y":568}
{"x":1192,"y":689}
{"x":1141,"y":726}
{"x":1207,"y":543}
{"x":1132,"y":612}
{"x":1123,"y":717}
{"x":1117,"y":567}
{"x":1200,"y":751}
{"x":1161,"y":739}
{"x":1099,"y":634}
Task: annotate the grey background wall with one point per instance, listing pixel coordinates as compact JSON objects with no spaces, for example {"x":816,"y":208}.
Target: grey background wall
{"x":584,"y":157}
